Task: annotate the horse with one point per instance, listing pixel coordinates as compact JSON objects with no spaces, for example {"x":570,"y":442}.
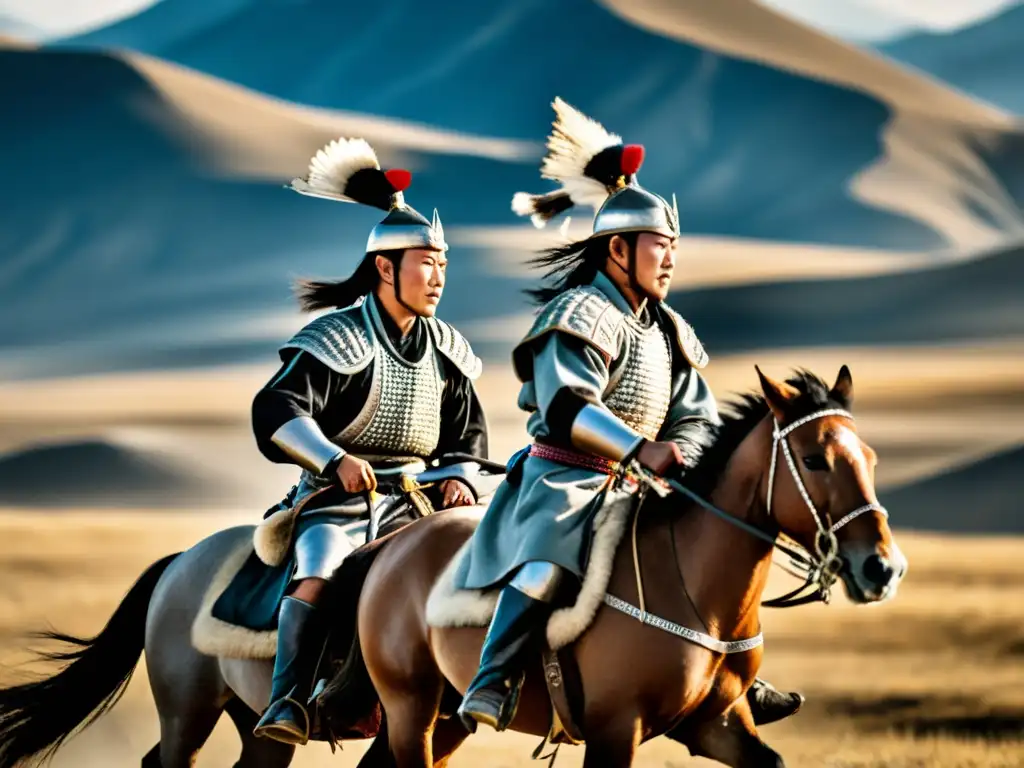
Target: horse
{"x":698,"y":564}
{"x":191,"y":688}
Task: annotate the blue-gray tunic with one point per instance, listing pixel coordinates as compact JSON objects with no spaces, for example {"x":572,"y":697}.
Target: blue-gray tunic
{"x":544,"y":510}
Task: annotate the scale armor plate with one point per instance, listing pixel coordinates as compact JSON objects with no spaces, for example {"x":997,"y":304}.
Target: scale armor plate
{"x":342,"y":340}
{"x":641,"y":389}
{"x":402,"y":415}
{"x":454,"y":346}
{"x":687,"y":339}
{"x":584,"y":312}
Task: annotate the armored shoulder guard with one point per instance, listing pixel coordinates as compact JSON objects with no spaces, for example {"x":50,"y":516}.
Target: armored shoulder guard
{"x":341,"y":340}
{"x":686,"y":339}
{"x":453,"y":345}
{"x":583,"y":312}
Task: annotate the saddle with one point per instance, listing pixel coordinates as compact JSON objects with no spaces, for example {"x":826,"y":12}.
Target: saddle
{"x":252,"y":595}
{"x":238,"y":618}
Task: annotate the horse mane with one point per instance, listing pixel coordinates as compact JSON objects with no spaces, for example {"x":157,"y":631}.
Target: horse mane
{"x":742,"y":413}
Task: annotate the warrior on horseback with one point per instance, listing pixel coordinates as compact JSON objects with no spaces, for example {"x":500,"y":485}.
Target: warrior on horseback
{"x":365,"y":393}
{"x":610,"y":373}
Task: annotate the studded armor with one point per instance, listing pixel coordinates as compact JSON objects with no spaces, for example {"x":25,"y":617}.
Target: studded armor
{"x":343,"y":340}
{"x":641,"y":386}
{"x":402,"y":415}
{"x":639,"y":359}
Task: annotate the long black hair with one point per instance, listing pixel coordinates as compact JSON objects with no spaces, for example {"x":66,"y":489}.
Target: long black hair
{"x":574,"y":264}
{"x":330,"y":294}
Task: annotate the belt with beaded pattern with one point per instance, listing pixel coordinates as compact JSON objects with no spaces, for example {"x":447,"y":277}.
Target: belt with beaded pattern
{"x":574,"y":458}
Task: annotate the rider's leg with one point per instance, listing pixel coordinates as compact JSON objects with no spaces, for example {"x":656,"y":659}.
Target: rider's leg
{"x":517,"y":630}
{"x":769,"y":705}
{"x":301,"y":633}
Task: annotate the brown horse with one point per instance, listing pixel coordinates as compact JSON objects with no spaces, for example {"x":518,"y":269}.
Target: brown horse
{"x":789,"y":462}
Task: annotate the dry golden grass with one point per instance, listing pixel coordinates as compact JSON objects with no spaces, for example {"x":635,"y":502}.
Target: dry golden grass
{"x":916,"y":682}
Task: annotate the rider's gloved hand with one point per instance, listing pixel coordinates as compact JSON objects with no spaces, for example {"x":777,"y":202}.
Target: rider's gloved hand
{"x":356,"y":475}
{"x":659,"y":457}
{"x":456,"y":494}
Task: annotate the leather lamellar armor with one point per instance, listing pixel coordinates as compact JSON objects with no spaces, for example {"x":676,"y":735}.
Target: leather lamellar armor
{"x":402,"y":414}
{"x":639,"y":388}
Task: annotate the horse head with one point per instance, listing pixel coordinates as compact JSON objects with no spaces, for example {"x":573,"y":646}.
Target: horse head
{"x":820,"y":484}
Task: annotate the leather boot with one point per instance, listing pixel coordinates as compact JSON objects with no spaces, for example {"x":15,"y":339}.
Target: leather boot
{"x":516,"y":631}
{"x":286,"y":719}
{"x":769,"y":705}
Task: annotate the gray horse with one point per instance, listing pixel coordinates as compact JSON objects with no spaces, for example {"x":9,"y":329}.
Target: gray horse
{"x":191,"y":689}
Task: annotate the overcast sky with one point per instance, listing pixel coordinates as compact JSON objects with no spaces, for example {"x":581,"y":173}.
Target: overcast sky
{"x":859,"y":20}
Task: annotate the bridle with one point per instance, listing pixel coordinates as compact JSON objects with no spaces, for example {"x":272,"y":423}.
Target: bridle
{"x":826,"y":569}
{"x":819,"y":569}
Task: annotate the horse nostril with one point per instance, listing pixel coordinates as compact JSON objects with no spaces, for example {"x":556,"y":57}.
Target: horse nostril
{"x":877,"y":569}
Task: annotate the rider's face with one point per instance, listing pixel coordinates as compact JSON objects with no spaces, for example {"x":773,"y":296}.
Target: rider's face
{"x":655,"y":263}
{"x":421,"y":279}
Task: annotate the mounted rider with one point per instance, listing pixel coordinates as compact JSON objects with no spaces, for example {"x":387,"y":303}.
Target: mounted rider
{"x":609,"y":373}
{"x":365,"y":392}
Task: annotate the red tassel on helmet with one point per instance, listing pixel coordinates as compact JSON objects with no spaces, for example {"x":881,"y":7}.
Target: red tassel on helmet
{"x":632,"y":158}
{"x":399,"y":178}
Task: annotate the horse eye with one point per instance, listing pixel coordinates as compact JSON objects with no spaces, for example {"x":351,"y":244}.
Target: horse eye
{"x":815,"y":462}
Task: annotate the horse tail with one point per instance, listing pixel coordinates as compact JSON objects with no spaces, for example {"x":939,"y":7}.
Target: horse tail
{"x":350,"y":698}
{"x":36,"y":718}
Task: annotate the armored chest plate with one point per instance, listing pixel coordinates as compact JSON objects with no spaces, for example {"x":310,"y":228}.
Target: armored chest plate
{"x":640,"y":390}
{"x":402,"y":415}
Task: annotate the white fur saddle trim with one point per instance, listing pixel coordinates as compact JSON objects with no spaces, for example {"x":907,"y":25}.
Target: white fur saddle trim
{"x":451,"y":607}
{"x":214,"y":637}
{"x":273,"y":537}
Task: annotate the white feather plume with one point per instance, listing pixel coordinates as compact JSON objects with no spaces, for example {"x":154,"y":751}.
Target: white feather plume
{"x":574,"y":140}
{"x":332,"y":167}
{"x":522,"y":204}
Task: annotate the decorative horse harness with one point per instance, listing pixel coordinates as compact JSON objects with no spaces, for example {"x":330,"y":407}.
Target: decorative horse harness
{"x":820,"y":569}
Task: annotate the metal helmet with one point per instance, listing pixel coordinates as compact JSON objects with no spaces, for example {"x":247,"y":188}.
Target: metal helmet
{"x":347,"y":170}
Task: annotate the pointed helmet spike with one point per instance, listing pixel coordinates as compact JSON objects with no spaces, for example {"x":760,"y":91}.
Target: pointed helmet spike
{"x":438,"y":227}
{"x":675,"y":212}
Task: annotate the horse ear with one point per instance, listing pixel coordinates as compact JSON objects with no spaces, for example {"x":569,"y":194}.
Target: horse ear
{"x":842,"y":390}
{"x":777,"y":394}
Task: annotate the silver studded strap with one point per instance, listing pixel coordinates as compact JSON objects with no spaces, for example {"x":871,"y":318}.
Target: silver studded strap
{"x":700,"y":638}
{"x":779,"y":440}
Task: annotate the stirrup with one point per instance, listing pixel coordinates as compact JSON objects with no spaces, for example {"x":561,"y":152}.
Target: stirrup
{"x":284,"y":731}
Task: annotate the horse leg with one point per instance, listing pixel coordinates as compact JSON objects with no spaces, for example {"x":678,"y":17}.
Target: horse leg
{"x":379,"y":753}
{"x":188,"y":688}
{"x":410,"y":727}
{"x":152,"y":758}
{"x":410,"y":687}
{"x":256,"y":752}
{"x":732,"y":739}
{"x":411,"y":701}
{"x":182,"y":734}
{"x":612,"y":745}
{"x":448,"y":736}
